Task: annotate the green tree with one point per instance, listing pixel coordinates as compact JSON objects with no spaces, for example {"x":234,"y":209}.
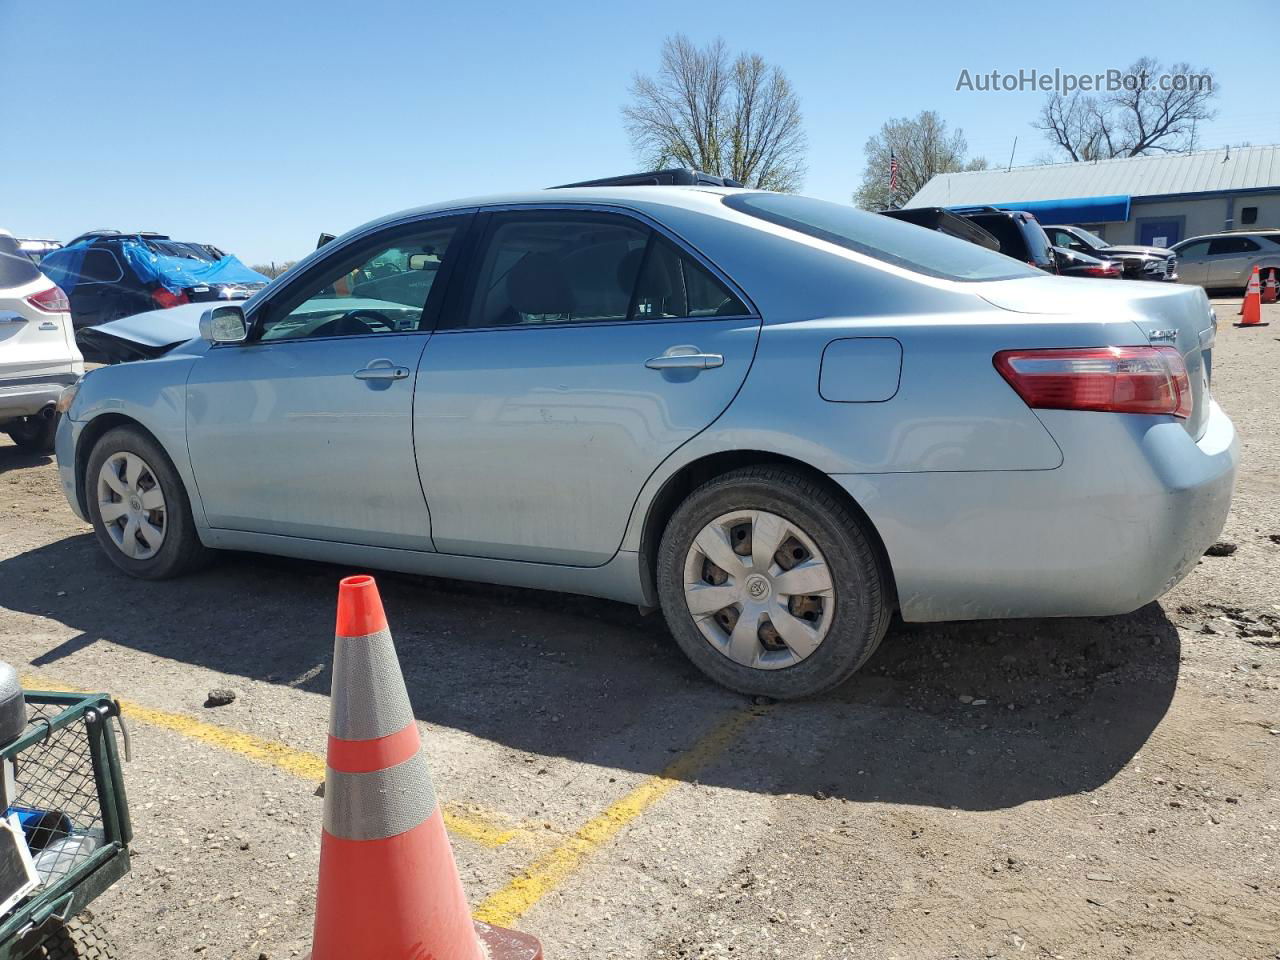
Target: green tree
{"x":923,"y":148}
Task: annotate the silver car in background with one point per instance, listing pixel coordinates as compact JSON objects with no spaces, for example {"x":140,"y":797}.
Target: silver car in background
{"x":777,"y":418}
{"x":1225,"y":261}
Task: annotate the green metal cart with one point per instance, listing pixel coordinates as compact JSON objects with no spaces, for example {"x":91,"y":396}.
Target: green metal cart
{"x":65,"y":785}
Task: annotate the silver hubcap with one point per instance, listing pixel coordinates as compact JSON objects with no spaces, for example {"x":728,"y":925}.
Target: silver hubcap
{"x":759,"y":589}
{"x":131,"y":505}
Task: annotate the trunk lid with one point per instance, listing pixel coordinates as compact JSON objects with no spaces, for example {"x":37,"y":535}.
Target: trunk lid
{"x":1163,"y":315}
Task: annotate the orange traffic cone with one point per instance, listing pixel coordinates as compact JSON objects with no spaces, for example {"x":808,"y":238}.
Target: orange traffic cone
{"x":389,"y":887}
{"x":1251,"y":308}
{"x":1270,"y":289}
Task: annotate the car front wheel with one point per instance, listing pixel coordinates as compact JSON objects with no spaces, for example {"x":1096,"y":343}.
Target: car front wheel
{"x":139,"y":507}
{"x":770,"y":584}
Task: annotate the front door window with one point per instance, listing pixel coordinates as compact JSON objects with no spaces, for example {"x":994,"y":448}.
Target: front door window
{"x":370,"y":291}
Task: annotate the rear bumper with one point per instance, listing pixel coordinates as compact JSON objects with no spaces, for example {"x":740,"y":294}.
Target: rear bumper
{"x":27,"y":396}
{"x":1128,"y":514}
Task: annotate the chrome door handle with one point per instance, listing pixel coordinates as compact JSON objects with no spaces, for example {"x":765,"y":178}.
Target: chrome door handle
{"x":685,"y":361}
{"x":381,"y":370}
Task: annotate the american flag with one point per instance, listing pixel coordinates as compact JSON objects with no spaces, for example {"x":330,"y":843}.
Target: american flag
{"x":893,"y":171}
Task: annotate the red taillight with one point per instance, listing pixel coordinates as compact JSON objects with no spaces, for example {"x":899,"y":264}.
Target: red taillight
{"x":52,"y":300}
{"x":1111,"y":379}
{"x":166,"y":299}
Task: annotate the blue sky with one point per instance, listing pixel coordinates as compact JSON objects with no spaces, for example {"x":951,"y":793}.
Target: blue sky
{"x":256,"y":126}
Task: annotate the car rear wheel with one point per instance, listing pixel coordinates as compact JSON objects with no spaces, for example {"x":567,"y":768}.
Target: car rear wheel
{"x":139,"y":507}
{"x":770,"y":584}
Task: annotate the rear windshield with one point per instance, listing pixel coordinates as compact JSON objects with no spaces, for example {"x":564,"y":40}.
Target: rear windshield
{"x":884,"y":238}
{"x":1006,"y":231}
{"x":16,"y":268}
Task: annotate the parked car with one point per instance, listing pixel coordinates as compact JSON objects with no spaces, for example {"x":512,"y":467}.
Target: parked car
{"x":108,"y":275}
{"x":1019,"y":233}
{"x":1140,"y":263}
{"x":1072,"y":263}
{"x":1226,"y":260}
{"x":944,"y":221}
{"x":778,"y":418}
{"x":38,"y":355}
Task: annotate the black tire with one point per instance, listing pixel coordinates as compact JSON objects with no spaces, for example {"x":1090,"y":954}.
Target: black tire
{"x":34,"y":434}
{"x":861,"y":591}
{"x":80,"y":938}
{"x":181,"y":550}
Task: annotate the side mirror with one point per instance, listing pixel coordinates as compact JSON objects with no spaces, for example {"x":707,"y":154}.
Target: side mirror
{"x":224,"y":325}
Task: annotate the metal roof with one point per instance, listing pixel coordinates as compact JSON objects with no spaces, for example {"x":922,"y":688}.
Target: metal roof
{"x":1205,"y":171}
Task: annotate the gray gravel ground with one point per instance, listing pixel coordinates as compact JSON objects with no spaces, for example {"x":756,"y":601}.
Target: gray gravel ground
{"x":1089,"y":788}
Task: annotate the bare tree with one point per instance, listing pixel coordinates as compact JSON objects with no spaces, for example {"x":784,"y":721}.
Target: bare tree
{"x":1141,"y":117}
{"x":923,"y":148}
{"x":273,"y":269}
{"x":735,"y":117}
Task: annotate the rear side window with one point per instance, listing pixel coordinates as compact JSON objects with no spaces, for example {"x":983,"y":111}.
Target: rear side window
{"x":100,"y":266}
{"x":1231,"y":245}
{"x":16,"y":268}
{"x":1036,"y":240}
{"x":886,"y":239}
{"x":674,"y":285}
{"x":559,"y":266}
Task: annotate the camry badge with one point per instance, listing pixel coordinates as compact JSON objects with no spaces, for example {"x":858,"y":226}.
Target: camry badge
{"x":1163,"y":335}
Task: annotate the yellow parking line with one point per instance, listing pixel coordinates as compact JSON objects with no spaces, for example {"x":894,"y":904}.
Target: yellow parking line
{"x":526,"y":889}
{"x":302,"y":764}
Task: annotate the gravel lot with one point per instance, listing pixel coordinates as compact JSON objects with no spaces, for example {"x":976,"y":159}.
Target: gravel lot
{"x":1086,"y":788}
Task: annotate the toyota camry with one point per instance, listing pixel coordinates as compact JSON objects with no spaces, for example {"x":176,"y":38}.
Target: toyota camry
{"x":779,"y":419}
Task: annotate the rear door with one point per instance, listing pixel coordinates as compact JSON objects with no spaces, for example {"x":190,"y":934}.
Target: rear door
{"x":585,"y":348}
{"x":1230,"y":261}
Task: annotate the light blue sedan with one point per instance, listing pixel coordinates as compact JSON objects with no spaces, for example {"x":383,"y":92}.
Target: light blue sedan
{"x":777,"y":418}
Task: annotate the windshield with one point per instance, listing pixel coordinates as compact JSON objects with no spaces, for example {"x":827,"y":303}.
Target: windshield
{"x":886,"y":239}
{"x":1091,"y":238}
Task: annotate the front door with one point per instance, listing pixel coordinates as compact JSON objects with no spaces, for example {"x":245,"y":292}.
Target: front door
{"x":586,"y":348}
{"x":1193,"y":262}
{"x":306,"y":429}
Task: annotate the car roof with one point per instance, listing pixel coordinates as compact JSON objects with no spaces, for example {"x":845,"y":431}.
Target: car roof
{"x":1272,"y":232}
{"x":642,"y":198}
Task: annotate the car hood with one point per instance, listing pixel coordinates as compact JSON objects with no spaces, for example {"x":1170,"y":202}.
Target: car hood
{"x":1148,"y":251}
{"x":156,"y":332}
{"x":156,"y":328}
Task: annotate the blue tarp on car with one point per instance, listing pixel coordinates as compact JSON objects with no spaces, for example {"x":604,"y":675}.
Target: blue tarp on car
{"x":173,"y":273}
